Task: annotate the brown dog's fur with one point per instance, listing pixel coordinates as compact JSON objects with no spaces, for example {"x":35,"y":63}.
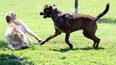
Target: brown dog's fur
{"x":67,"y":23}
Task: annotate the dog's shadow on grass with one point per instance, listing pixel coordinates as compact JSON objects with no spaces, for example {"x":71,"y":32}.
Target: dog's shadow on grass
{"x":7,"y":59}
{"x":86,"y":48}
{"x":10,"y":59}
{"x":107,"y":20}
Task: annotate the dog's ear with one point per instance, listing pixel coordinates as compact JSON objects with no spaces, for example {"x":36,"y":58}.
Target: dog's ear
{"x":46,"y":5}
{"x":8,"y":19}
{"x":53,"y":7}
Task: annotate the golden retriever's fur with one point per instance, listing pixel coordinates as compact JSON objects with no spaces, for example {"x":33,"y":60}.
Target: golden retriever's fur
{"x":15,"y":33}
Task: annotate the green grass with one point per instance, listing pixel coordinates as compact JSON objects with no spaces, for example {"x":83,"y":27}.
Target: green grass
{"x":56,"y":51}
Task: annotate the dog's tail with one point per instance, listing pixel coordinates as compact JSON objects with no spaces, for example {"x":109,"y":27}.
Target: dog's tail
{"x":104,"y":12}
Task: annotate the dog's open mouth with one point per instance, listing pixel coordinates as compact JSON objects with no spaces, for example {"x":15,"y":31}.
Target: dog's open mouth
{"x":44,"y":15}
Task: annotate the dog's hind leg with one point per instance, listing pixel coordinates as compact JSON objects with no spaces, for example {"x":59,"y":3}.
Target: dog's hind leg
{"x":89,"y":32}
{"x":94,"y":38}
{"x":96,"y":41}
{"x":67,"y":40}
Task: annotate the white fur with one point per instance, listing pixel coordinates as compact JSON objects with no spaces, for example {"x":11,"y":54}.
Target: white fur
{"x":16,"y":26}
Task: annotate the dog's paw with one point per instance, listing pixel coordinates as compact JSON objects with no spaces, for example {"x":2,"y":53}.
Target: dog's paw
{"x":42,"y":42}
{"x":39,"y":41}
{"x":71,"y":46}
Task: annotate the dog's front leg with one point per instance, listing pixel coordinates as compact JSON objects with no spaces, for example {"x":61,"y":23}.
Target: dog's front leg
{"x":33,"y":34}
{"x":67,"y":40}
{"x":57,"y":32}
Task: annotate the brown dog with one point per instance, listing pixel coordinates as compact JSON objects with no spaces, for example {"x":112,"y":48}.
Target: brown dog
{"x":68,"y":23}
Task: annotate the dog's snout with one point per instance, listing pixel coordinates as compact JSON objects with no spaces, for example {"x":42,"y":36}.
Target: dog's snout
{"x":44,"y":17}
{"x":41,"y":13}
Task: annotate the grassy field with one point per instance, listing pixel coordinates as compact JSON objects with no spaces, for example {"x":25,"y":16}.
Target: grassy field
{"x":56,"y":51}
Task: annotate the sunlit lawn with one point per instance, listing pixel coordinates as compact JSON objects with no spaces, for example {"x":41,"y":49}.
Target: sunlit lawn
{"x":56,"y":51}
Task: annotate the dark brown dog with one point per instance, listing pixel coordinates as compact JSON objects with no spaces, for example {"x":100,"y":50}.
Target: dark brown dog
{"x":68,"y":23}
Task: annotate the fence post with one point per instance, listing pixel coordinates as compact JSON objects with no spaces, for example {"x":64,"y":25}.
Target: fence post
{"x":76,"y":6}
